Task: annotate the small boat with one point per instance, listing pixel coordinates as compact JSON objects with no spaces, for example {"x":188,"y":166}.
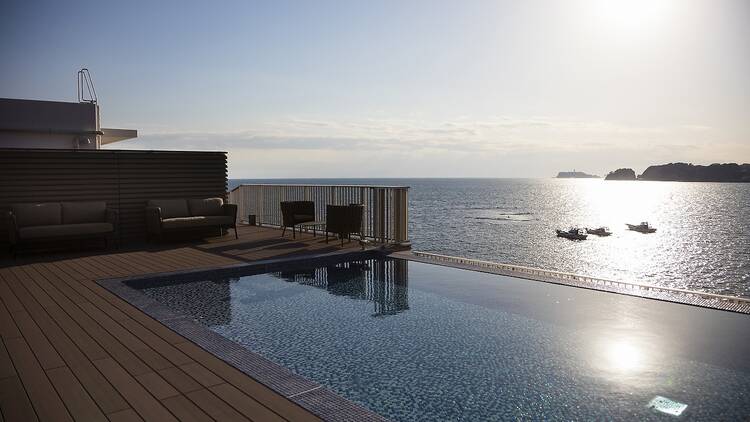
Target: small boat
{"x":644,"y":227}
{"x":573,"y":234}
{"x":601,"y":231}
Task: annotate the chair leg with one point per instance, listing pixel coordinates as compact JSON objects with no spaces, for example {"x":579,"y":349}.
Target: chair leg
{"x":283,"y":230}
{"x":294,"y":232}
{"x":236,"y":236}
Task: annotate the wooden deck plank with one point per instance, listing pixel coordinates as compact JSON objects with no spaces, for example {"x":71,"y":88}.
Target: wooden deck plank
{"x":7,"y":369}
{"x":45,"y":353}
{"x":156,"y":385}
{"x":244,"y":404}
{"x":14,"y":402}
{"x":127,"y":415}
{"x":94,"y":354}
{"x":56,"y":318}
{"x":153,"y":359}
{"x":11,"y":303}
{"x":253,"y":388}
{"x":167,"y":350}
{"x":76,"y":399}
{"x":107,"y":341}
{"x":42,"y":272}
{"x":79,"y":362}
{"x":202,"y":375}
{"x":185,"y":410}
{"x":8,"y":328}
{"x":44,"y":398}
{"x":41,"y":297}
{"x":102,"y":333}
{"x":141,"y":401}
{"x":180,"y":380}
{"x":130,"y":341}
{"x":215,"y":407}
{"x":130,"y":312}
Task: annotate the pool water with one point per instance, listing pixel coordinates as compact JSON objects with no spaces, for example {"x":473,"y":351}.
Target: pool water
{"x":415,"y":341}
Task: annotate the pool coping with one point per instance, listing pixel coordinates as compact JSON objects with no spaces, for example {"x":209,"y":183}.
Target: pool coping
{"x":645,"y":291}
{"x":308,"y":394}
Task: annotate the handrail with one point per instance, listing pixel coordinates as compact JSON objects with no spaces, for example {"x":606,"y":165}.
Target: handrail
{"x":302,"y":184}
{"x":85,"y":81}
{"x":385,"y":208}
{"x":570,"y":277}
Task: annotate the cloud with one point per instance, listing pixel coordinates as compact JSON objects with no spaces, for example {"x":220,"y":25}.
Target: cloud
{"x":497,"y":134}
{"x":497,"y":146}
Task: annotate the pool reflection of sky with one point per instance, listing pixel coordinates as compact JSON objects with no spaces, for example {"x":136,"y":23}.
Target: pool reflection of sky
{"x":417,"y":341}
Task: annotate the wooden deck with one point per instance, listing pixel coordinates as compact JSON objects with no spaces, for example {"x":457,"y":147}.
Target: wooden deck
{"x":71,"y":350}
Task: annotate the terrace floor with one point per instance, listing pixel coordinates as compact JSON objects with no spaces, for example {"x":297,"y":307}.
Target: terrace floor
{"x":71,"y":350}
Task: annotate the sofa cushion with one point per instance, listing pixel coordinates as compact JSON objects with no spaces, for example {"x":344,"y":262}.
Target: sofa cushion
{"x":171,"y":208}
{"x":198,"y":221}
{"x":63,"y":230}
{"x":43,"y":214}
{"x":84,"y":212}
{"x":210,"y":206}
{"x":303,"y":218}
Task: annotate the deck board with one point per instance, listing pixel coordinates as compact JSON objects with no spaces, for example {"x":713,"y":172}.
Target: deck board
{"x":47,"y":403}
{"x":72,"y":350}
{"x":15,"y":402}
{"x":74,"y":395}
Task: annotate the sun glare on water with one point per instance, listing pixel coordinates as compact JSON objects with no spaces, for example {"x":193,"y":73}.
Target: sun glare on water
{"x":623,"y":356}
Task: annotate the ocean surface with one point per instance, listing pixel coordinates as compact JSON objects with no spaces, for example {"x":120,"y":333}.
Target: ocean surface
{"x":702,"y":240}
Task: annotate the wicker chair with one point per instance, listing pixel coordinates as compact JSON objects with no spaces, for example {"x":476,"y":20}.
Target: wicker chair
{"x":296,"y":212}
{"x":343,"y":220}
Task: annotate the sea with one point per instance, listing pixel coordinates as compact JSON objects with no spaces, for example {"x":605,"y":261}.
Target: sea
{"x":702,"y":240}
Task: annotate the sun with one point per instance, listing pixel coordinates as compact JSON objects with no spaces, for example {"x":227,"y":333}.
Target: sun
{"x":630,"y":18}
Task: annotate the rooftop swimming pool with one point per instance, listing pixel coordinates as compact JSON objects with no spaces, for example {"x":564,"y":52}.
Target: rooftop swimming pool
{"x":416,"y":341}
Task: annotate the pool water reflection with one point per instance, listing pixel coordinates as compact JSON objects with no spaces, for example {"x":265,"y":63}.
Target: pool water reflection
{"x":415,"y":341}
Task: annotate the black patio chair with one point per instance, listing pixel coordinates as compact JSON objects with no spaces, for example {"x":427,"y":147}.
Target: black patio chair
{"x":343,"y":220}
{"x":296,"y":212}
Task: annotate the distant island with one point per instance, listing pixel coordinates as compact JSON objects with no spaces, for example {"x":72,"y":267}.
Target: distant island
{"x":575,"y":175}
{"x":684,"y":172}
{"x":621,"y":174}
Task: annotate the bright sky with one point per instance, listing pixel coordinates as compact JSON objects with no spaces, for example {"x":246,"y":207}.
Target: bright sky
{"x":401,"y":88}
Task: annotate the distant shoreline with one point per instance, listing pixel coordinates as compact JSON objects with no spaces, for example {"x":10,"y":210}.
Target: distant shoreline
{"x":575,"y":175}
{"x":683,"y":172}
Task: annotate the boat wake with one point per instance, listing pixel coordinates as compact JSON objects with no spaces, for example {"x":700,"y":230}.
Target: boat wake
{"x":507,"y":217}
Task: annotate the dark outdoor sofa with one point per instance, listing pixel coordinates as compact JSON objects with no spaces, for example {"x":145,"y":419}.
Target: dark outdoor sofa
{"x":53,"y":221}
{"x":170,"y":215}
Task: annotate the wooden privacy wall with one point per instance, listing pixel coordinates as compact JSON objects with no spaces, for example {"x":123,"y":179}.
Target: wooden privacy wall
{"x":126,"y":179}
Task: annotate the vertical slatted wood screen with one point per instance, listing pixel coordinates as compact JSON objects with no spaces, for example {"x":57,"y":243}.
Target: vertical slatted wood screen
{"x":126,"y":179}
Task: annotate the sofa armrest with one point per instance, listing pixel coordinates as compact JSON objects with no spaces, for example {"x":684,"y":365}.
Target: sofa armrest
{"x":153,"y":219}
{"x":113,"y":217}
{"x":231,"y":211}
{"x":12,"y":228}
